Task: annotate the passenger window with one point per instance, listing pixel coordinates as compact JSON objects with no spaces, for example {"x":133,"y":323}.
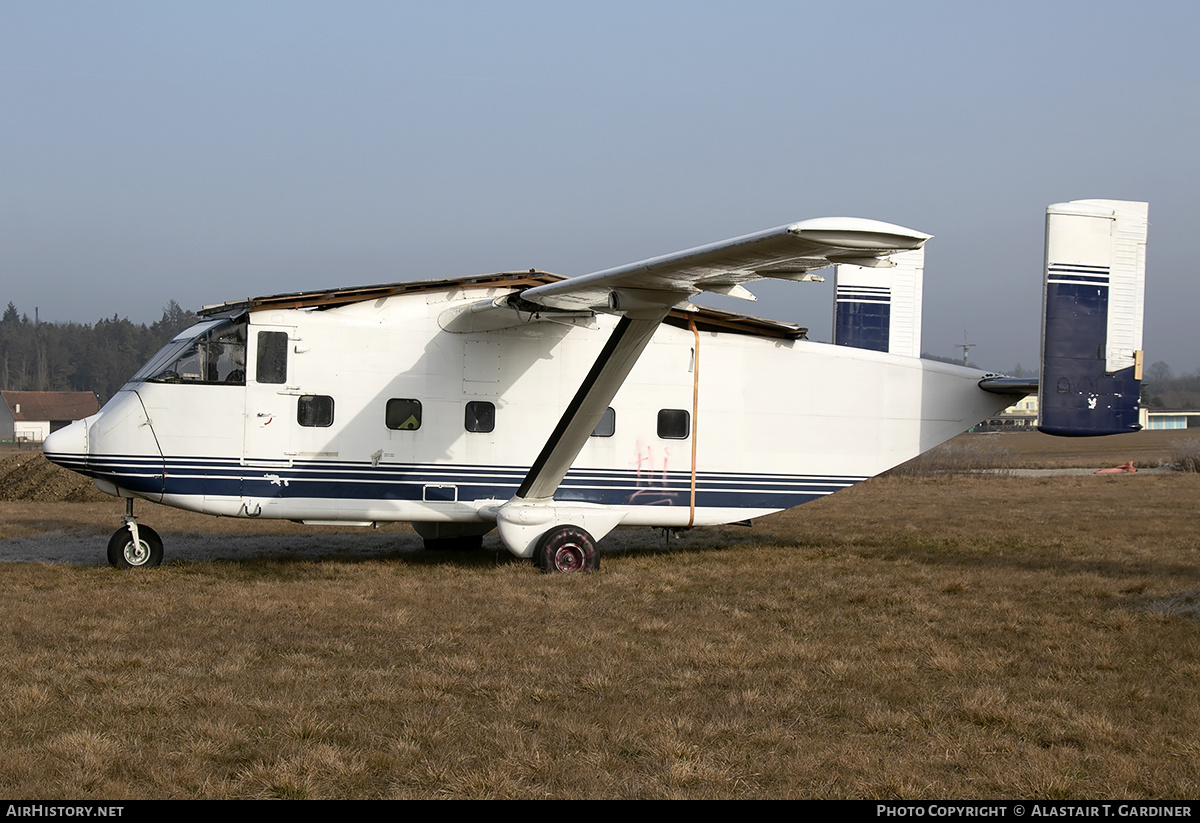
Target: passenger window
{"x":314,"y":410}
{"x":607,"y":425}
{"x":480,"y":417}
{"x":674,"y":424}
{"x":272,"y":357}
{"x":403,"y":414}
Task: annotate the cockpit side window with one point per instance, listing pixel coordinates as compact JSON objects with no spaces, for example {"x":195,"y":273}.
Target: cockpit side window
{"x":216,"y":355}
{"x":271,"y":364}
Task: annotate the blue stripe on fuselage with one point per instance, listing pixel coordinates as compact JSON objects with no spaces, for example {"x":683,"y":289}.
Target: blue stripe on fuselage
{"x":342,"y":480}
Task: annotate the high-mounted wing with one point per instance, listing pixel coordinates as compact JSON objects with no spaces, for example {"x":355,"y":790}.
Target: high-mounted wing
{"x":645,"y":292}
{"x":788,"y":252}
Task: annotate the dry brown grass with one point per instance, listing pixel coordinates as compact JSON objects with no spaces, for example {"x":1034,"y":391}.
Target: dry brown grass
{"x":963,"y":454}
{"x":1034,"y":450}
{"x":908,"y":638}
{"x":1185,"y":454}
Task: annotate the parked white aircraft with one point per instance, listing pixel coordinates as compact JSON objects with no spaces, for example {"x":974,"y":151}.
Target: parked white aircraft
{"x":557,"y":409}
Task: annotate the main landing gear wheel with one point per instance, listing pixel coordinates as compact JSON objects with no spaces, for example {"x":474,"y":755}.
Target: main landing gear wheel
{"x":123,"y":554}
{"x":566,"y":549}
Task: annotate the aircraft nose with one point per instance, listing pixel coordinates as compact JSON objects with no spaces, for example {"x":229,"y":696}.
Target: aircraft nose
{"x":68,"y":447}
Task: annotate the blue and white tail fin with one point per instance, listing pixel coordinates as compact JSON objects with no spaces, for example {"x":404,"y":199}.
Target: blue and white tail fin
{"x":880,"y":308}
{"x":1092,"y":317}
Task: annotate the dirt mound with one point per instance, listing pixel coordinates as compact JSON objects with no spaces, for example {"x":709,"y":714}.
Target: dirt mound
{"x":30,"y":476}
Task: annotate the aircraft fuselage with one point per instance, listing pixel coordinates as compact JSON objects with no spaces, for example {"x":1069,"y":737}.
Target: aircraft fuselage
{"x":372,"y":412}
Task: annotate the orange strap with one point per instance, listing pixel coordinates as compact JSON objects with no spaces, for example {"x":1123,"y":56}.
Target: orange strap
{"x":695,"y":417}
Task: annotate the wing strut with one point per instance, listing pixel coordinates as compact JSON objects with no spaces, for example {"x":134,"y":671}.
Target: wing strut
{"x":596,"y":392}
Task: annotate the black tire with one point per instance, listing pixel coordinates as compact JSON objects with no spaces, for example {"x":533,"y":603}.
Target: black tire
{"x":566,"y":550}
{"x":123,"y":555}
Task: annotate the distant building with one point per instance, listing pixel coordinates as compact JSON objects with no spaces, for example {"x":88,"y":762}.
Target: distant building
{"x":30,"y":416}
{"x":1023,"y":416}
{"x":1156,"y":419}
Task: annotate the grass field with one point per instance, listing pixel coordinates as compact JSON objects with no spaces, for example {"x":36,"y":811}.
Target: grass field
{"x":912,"y":637}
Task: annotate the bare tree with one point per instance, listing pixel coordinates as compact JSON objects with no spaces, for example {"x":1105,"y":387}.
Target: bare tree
{"x":1158,"y":370}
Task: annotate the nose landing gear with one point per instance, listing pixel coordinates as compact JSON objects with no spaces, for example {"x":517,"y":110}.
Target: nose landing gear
{"x":133,"y":546}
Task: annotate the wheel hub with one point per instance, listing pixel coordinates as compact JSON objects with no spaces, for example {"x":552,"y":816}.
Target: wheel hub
{"x":569,"y":558}
{"x":136,"y":553}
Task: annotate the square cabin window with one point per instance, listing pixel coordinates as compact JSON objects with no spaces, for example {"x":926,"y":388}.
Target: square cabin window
{"x":403,"y":414}
{"x":607,"y":426}
{"x":314,"y":411}
{"x":480,"y":416}
{"x":674,"y":424}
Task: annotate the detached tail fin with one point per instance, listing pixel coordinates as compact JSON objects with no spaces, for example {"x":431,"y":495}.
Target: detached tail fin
{"x":880,"y":308}
{"x":1092,"y":317}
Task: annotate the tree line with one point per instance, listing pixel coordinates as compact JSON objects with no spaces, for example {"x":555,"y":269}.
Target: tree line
{"x":1162,"y":389}
{"x":96,"y":357}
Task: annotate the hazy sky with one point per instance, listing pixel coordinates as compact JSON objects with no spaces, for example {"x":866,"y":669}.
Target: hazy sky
{"x":208,"y":151}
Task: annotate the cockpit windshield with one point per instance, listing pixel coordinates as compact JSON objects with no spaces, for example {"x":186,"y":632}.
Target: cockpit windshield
{"x":212,"y":352}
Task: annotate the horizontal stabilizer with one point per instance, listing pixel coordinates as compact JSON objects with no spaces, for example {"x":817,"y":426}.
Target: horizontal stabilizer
{"x":1018,"y":387}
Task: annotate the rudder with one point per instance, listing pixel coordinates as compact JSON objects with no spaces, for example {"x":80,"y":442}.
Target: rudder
{"x":880,"y":308}
{"x":1094,"y":283}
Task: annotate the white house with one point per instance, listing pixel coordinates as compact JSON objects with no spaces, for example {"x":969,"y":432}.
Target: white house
{"x":30,"y":416}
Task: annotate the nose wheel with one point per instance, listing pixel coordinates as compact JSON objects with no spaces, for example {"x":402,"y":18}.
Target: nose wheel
{"x":126,"y":553}
{"x":133,"y":546}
